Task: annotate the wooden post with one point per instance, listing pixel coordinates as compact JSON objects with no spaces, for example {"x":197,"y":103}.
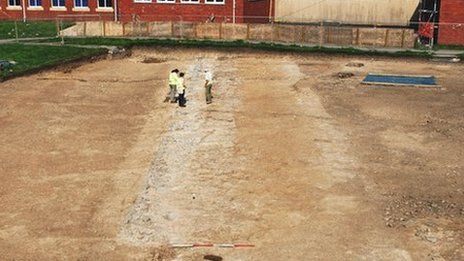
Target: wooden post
{"x":195,"y":30}
{"x":402,"y":38}
{"x":220,"y":30}
{"x":357,"y":37}
{"x":275,"y":32}
{"x":248,"y":32}
{"x":321,"y":34}
{"x":85,"y":28}
{"x":104,"y":28}
{"x":329,"y":34}
{"x":386,"y":37}
{"x":303,"y":33}
{"x":123,"y":29}
{"x":148,"y":28}
{"x":172,"y":29}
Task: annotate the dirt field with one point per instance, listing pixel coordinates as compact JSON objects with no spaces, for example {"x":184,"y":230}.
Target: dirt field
{"x":290,"y":157}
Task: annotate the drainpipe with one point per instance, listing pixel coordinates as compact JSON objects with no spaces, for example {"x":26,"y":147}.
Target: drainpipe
{"x":271,"y":7}
{"x":233,"y":11}
{"x":115,"y":10}
{"x":24,"y":11}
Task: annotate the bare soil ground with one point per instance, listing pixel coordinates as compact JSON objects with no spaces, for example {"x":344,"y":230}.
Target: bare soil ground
{"x":290,"y":157}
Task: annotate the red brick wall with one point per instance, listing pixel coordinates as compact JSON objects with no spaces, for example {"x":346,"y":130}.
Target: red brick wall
{"x":48,"y":14}
{"x":129,"y":11}
{"x":180,"y":11}
{"x":256,"y":11}
{"x":451,"y":30}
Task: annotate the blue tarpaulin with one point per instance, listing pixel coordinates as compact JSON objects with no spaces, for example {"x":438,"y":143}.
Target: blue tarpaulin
{"x":406,"y":80}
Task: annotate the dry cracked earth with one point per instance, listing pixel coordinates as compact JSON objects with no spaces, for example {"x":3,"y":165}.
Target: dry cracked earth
{"x":290,"y":157}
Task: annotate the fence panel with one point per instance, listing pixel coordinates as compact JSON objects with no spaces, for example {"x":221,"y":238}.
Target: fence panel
{"x":338,"y":35}
{"x":260,"y":32}
{"x":280,"y":33}
{"x":183,"y":30}
{"x":208,"y":30}
{"x":234,"y":31}
{"x":161,"y":29}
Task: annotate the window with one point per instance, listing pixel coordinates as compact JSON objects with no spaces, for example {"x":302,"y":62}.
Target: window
{"x":190,"y":1}
{"x":58,"y":3}
{"x":81,"y":3}
{"x":105,"y":4}
{"x":14,"y":3}
{"x":166,"y":1}
{"x":142,"y":1}
{"x":215,"y":2}
{"x":35,"y":3}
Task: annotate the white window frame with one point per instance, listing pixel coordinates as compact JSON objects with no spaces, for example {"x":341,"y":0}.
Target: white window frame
{"x":193,"y":2}
{"x":35,"y":6}
{"x":105,"y":8}
{"x":14,"y":7}
{"x":81,"y":8}
{"x":166,"y":1}
{"x":215,"y":2}
{"x":143,"y":1}
{"x":35,"y":3}
{"x":58,"y":7}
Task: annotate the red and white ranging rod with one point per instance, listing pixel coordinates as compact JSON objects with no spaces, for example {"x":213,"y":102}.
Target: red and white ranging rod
{"x":195,"y":245}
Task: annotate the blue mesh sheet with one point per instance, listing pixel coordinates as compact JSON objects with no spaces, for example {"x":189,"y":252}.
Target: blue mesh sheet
{"x":400,"y":80}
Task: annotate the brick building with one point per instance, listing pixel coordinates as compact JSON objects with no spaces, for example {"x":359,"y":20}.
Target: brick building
{"x":451,"y":29}
{"x":137,"y":10}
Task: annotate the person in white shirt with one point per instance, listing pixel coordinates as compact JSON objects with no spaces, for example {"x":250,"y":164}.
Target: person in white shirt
{"x":181,"y":89}
{"x":208,"y":86}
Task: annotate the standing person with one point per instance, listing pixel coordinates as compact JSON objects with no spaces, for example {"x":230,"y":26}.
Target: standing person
{"x":173,"y":79}
{"x":181,"y":89}
{"x":208,"y":86}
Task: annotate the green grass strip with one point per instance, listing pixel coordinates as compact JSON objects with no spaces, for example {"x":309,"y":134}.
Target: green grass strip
{"x":36,"y":57}
{"x":127,"y":43}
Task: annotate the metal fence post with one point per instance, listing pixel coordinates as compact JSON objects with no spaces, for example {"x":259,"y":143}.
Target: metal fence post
{"x":16,"y":31}
{"x":220,"y":30}
{"x":57,"y":26}
{"x":181,"y":27}
{"x":248,"y":32}
{"x":61,"y":32}
{"x":321,"y":34}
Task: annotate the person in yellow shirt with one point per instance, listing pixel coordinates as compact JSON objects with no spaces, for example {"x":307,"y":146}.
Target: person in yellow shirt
{"x":173,"y":79}
{"x":181,"y":89}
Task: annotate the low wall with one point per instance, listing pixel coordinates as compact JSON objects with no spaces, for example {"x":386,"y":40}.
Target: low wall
{"x":277,"y":33}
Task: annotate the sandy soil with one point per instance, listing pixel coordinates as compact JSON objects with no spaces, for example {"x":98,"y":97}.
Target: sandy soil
{"x":289,"y":157}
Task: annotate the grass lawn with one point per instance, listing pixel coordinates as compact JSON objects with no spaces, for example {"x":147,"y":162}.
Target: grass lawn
{"x":449,"y":47}
{"x":124,"y":42}
{"x":34,"y":57}
{"x":29,"y":29}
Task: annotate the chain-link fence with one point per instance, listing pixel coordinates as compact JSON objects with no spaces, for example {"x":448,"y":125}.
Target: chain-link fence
{"x":32,"y":29}
{"x":320,"y":34}
{"x":252,"y":28}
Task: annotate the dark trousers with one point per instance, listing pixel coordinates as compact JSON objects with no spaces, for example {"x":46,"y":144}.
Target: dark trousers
{"x":208,"y":93}
{"x":181,"y":99}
